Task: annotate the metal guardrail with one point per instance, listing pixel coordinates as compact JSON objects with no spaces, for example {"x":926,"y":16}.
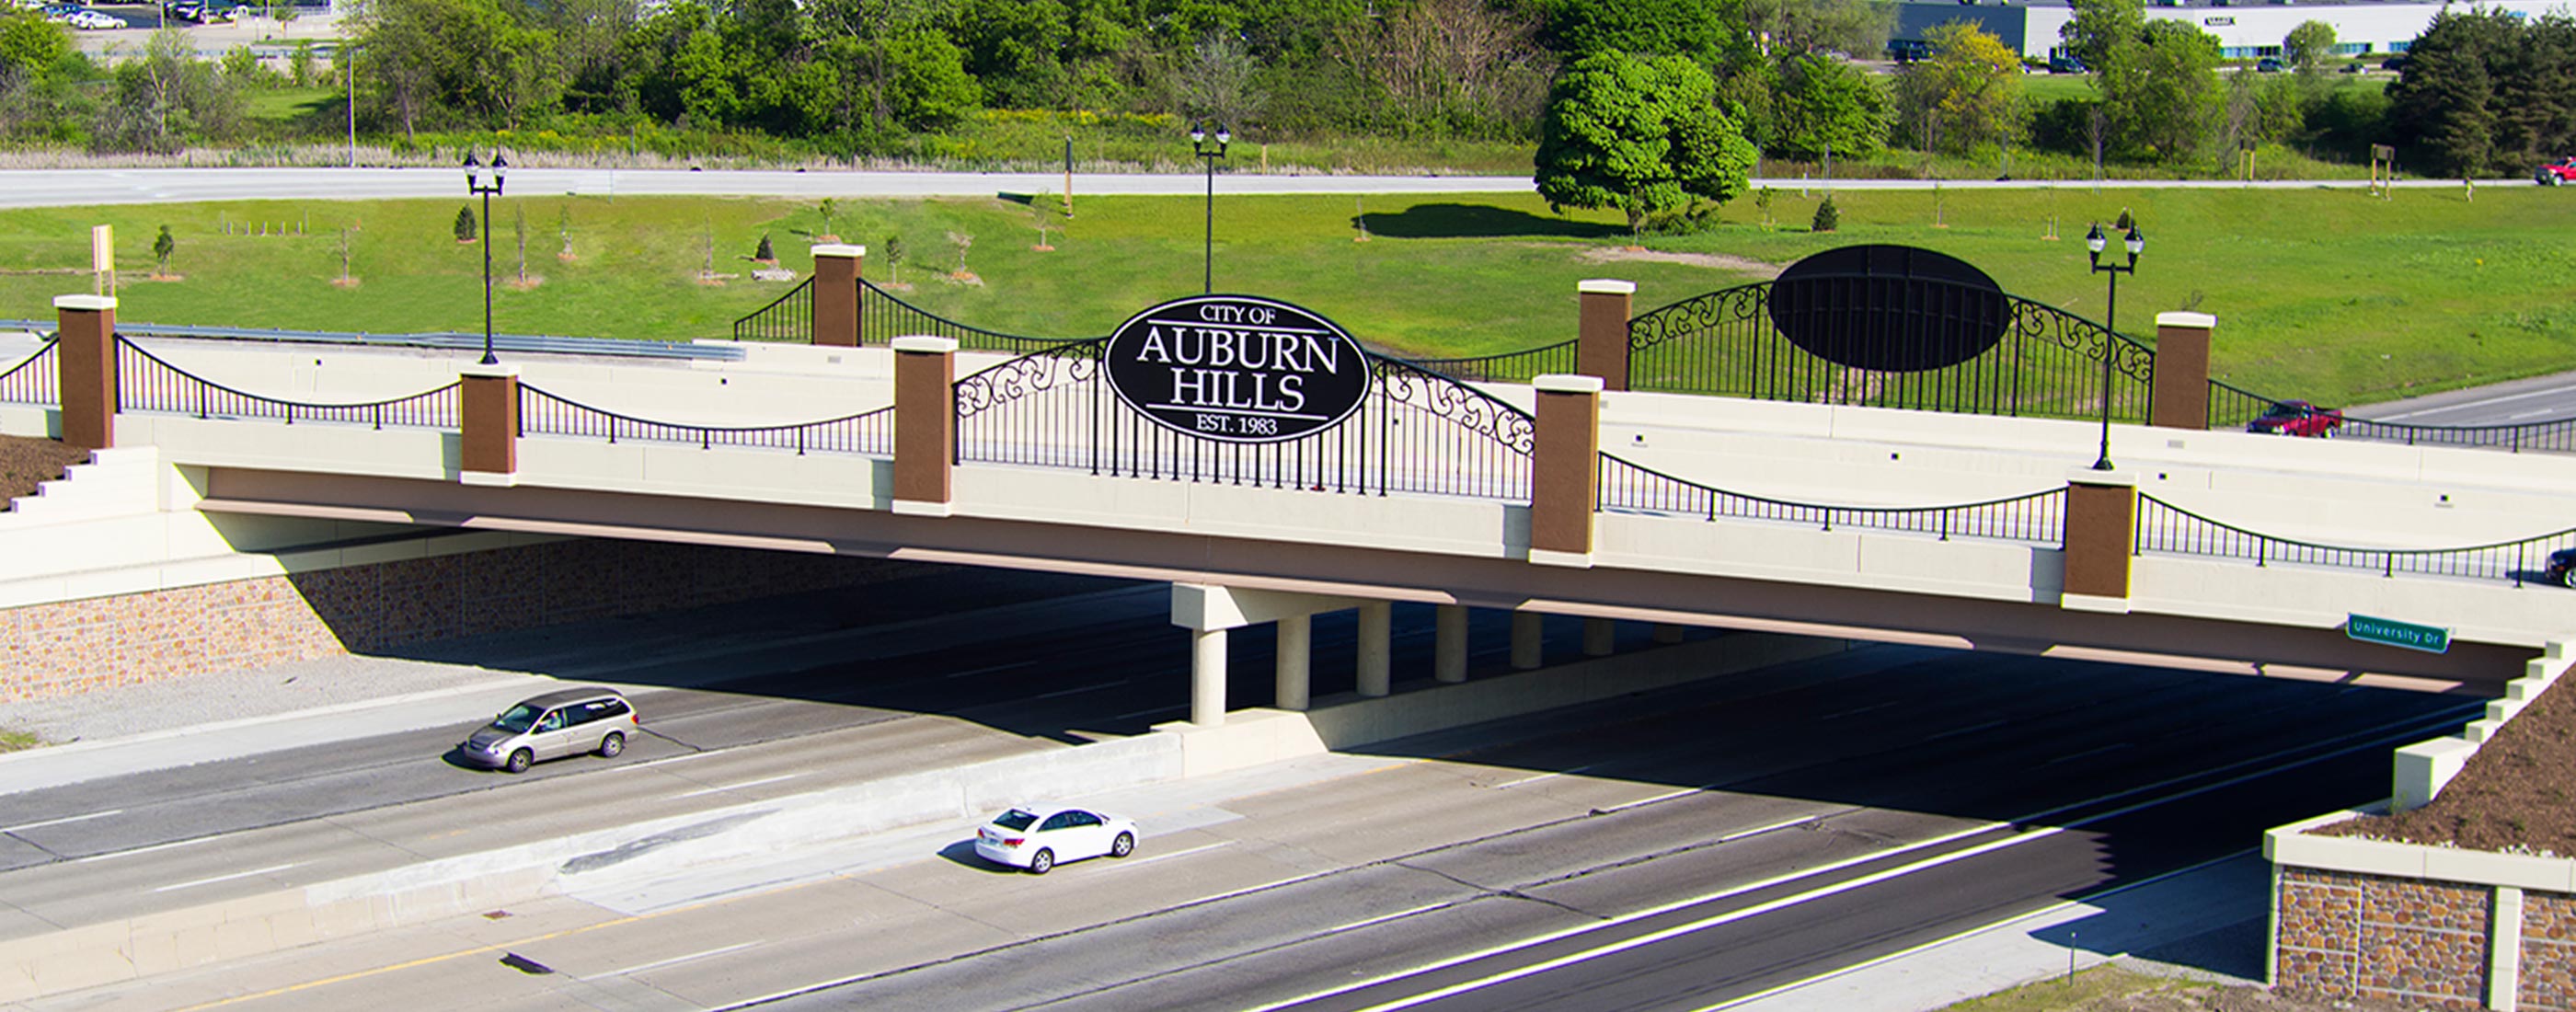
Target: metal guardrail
{"x":2037,"y":518}
{"x":540,"y":344}
{"x":2169,"y":529}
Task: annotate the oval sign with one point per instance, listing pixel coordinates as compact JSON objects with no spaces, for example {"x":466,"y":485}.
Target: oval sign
{"x":1237,"y":368}
{"x":1889,"y":308}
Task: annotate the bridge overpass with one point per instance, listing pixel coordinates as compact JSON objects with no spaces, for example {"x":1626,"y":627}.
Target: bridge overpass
{"x":2204,"y":548}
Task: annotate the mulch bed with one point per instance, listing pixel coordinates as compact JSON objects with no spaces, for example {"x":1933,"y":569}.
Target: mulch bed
{"x":2513,"y":794}
{"x":26,"y":463}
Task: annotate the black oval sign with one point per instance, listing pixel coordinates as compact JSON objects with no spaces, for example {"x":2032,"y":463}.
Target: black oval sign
{"x":1889,"y":308}
{"x":1237,"y":368}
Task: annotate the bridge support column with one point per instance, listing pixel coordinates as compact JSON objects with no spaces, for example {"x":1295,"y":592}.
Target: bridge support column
{"x":1294,"y":689}
{"x":2180,"y":398}
{"x":1600,"y":637}
{"x":2101,"y":540}
{"x":85,"y":369}
{"x":1377,"y":648}
{"x":1207,"y":677}
{"x":1449,"y":643}
{"x":1601,"y":348}
{"x":925,"y":424}
{"x":1565,"y":470}
{"x":487,"y":402}
{"x":836,"y":294}
{"x":1526,"y":626}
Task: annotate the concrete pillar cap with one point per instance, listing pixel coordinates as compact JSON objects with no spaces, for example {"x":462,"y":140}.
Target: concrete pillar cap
{"x":494,"y":371}
{"x":91,"y":303}
{"x":1566,"y":383}
{"x":834,"y":249}
{"x":2178,"y":318}
{"x":1606,"y":286}
{"x":926,"y":344}
{"x":2089,"y":476}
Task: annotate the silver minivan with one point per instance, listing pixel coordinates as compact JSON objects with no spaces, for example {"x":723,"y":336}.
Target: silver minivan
{"x":551,"y":726}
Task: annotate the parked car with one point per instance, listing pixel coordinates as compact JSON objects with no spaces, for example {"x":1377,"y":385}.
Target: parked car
{"x":551,"y":726}
{"x":2066,"y":65}
{"x":1039,"y":837}
{"x":2267,"y":65}
{"x":2393,"y":64}
{"x":2562,"y":567}
{"x":2298,"y":418}
{"x":94,"y":21}
{"x":184,"y":10}
{"x":2555,"y":173}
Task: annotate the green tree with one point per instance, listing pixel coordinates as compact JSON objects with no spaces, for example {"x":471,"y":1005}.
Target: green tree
{"x":2309,"y":46}
{"x":458,"y":62}
{"x":1638,"y":135}
{"x":1787,"y":29}
{"x":300,"y":64}
{"x":465,"y":228}
{"x":929,"y":87}
{"x":32,"y":44}
{"x":2442,"y":107}
{"x":1828,"y":217}
{"x":1968,"y":92}
{"x":1711,"y":32}
{"x":162,"y":246}
{"x":1827,"y":104}
{"x":2102,"y":32}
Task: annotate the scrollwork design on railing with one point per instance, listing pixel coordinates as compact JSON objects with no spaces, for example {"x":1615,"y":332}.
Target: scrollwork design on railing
{"x":1065,"y":365}
{"x":1410,"y":386}
{"x":2044,"y":324}
{"x":1699,"y":314}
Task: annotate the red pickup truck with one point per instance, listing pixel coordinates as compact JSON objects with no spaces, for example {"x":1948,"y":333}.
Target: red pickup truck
{"x":2556,"y":173}
{"x":2298,"y":418}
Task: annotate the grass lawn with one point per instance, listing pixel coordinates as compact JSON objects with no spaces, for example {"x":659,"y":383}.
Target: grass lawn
{"x":2327,"y":294}
{"x":12,"y":741}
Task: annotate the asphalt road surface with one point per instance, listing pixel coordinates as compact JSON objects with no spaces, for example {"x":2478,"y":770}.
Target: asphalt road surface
{"x":2541,"y":398}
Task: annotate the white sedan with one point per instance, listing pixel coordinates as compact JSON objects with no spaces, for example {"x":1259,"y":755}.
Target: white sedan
{"x":94,"y":21}
{"x":1039,"y":837}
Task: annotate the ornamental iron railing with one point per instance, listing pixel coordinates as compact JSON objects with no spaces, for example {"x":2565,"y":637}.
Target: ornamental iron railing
{"x":144,"y":382}
{"x":789,"y":317}
{"x":2172,"y":530}
{"x":883,"y":317}
{"x":1416,"y":431}
{"x":869,"y":433}
{"x":1507,"y":367}
{"x":33,"y":379}
{"x":2048,"y":362}
{"x":2037,"y":518}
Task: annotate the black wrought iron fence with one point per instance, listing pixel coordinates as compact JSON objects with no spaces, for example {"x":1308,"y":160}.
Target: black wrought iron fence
{"x":1415,"y":432}
{"x":2169,"y":529}
{"x":542,"y":413}
{"x":2037,"y":518}
{"x":883,"y":317}
{"x":2231,"y":406}
{"x":1508,"y":367}
{"x":33,"y":379}
{"x":146,"y":383}
{"x":2555,"y":435}
{"x":2047,"y":364}
{"x":789,"y":317}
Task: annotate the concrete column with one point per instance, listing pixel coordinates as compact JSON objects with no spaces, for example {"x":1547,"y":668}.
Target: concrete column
{"x":488,"y":415}
{"x":1449,"y":643}
{"x":1565,"y":469}
{"x":1600,"y":636}
{"x":2101,"y":539}
{"x":2180,"y":397}
{"x":836,"y":294}
{"x":1602,"y":348}
{"x":1377,"y":648}
{"x":1667,"y":633}
{"x":85,"y":369}
{"x":1207,"y":677}
{"x":1526,"y":652}
{"x":1296,"y":662}
{"x":2504,"y":950}
{"x":925,"y":424}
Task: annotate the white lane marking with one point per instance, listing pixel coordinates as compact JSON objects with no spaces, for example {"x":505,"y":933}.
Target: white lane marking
{"x":989,"y":670}
{"x":2090,"y":900}
{"x":1166,"y":855}
{"x":1174,"y":708}
{"x":1847,"y":713}
{"x":2543,"y":392}
{"x":60,"y":821}
{"x":173,"y":845}
{"x":667,"y":760}
{"x":1509,"y":784}
{"x":1060,"y":693}
{"x":677,"y":960}
{"x":734,"y":787}
{"x":1957,"y":731}
{"x":1396,"y":916}
{"x":2085,"y":753}
{"x":227,"y":878}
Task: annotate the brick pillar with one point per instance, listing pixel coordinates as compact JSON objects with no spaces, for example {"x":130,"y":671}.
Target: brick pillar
{"x":836,"y":294}
{"x":488,"y":412}
{"x":85,"y":369}
{"x":1603,"y":348}
{"x":2181,"y":395}
{"x":925,"y":423}
{"x":2101,"y":539}
{"x":1565,"y":469}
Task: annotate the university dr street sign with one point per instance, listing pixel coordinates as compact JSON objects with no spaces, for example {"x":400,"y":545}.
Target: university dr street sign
{"x":2389,"y":631}
{"x":1237,"y":368}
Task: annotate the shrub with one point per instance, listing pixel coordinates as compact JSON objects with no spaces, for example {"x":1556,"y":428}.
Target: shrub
{"x":465,"y":230}
{"x":1828,"y":217}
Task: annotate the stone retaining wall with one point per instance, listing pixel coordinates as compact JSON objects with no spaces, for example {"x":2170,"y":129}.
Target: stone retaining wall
{"x":2346,"y":935}
{"x":81,"y":645}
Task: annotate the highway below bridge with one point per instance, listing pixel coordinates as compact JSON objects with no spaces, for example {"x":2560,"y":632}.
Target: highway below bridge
{"x":1676,"y":849}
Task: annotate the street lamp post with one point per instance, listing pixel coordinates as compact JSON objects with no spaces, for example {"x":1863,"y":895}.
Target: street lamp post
{"x":2094,"y":243}
{"x":1199,"y":137}
{"x":474,"y":185}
